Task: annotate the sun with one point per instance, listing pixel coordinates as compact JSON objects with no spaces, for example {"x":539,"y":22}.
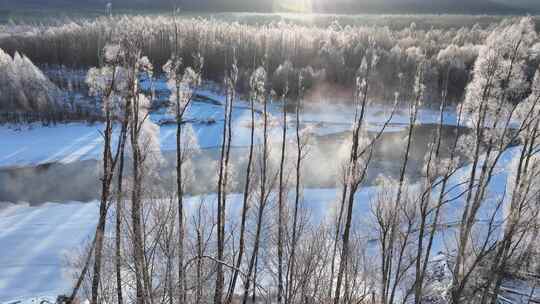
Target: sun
{"x":293,"y":6}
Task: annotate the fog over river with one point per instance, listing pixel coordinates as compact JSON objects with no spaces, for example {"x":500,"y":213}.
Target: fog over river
{"x":326,"y":154}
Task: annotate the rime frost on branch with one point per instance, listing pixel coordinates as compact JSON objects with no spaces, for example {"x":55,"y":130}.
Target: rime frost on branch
{"x":182,"y":83}
{"x":23,"y":87}
{"x":499,"y":77}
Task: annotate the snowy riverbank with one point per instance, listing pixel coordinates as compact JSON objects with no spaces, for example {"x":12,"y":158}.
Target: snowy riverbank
{"x":26,"y":145}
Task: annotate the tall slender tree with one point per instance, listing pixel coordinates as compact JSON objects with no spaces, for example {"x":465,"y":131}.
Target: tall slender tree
{"x":106,"y":84}
{"x":256,"y":92}
{"x":357,"y":166}
{"x":182,"y":83}
{"x":223,"y":178}
{"x":259,"y":81}
{"x":281,"y":196}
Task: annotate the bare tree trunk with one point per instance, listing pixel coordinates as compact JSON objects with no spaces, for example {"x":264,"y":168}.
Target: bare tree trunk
{"x":292,"y":258}
{"x":182,"y":104}
{"x":198,"y":291}
{"x":245,"y":207}
{"x":262,"y":205}
{"x":136,"y":208}
{"x":169,"y":251}
{"x":394,"y":226}
{"x":425,"y":200}
{"x":280,"y":203}
{"x":109,"y":165}
{"x":119,"y":195}
{"x":222,"y":187}
{"x":105,"y":190}
{"x":180,"y":194}
{"x":83,"y":273}
{"x":220,"y":238}
{"x":336,"y":236}
{"x":254,"y":294}
{"x":351,"y":183}
{"x":449,"y":171}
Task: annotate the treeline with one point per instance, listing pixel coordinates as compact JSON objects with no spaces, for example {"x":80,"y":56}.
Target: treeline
{"x":453,"y":236}
{"x":327,"y":57}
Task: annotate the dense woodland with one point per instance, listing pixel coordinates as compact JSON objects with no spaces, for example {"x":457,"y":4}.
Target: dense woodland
{"x":150,"y":246}
{"x":328,"y":58}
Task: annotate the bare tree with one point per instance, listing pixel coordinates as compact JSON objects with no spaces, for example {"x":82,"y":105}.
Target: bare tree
{"x":108,"y":171}
{"x":259,"y":79}
{"x":119,"y":200}
{"x":257,"y":92}
{"x":223,"y":179}
{"x":281,"y":198}
{"x":356,"y":167}
{"x":182,"y":84}
{"x":107,"y":84}
{"x":300,"y":153}
{"x":138,"y":117}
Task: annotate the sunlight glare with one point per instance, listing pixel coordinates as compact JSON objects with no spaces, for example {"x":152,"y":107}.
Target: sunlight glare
{"x":293,"y":6}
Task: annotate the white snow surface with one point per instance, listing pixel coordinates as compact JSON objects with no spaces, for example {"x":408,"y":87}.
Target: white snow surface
{"x":36,"y":144}
{"x":35,"y":240}
{"x":34,"y":243}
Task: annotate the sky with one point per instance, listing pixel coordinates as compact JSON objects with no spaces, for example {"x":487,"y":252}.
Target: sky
{"x":523,"y":3}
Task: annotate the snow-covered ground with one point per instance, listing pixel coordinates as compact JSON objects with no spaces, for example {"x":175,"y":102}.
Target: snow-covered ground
{"x":35,"y":240}
{"x":36,"y":144}
{"x":34,"y":243}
